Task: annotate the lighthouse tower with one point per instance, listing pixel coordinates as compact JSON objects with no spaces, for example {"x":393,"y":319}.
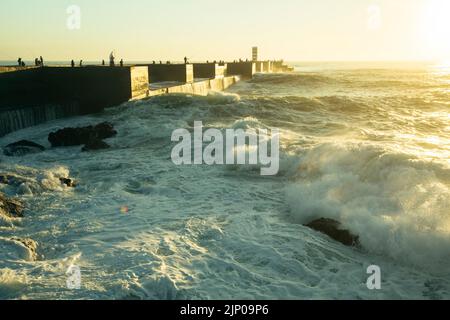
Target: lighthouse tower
{"x":255,"y":54}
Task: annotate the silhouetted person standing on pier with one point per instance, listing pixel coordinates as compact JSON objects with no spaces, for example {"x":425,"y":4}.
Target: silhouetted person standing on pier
{"x":103,"y":62}
{"x":41,"y":60}
{"x":111,"y":60}
{"x":121,"y":62}
{"x":19,"y":62}
{"x":72,"y":64}
{"x":36,"y":62}
{"x":81,"y":63}
{"x":186,"y":60}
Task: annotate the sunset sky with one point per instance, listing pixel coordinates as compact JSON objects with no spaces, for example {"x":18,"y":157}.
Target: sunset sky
{"x":208,"y":29}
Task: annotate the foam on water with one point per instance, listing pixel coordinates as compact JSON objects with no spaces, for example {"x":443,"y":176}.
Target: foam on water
{"x":396,"y":203}
{"x":140,"y":227}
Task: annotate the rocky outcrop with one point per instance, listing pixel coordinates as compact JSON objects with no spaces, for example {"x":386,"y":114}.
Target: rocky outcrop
{"x":68,"y":182}
{"x":95,"y":144}
{"x":6,"y":179}
{"x":22,"y":148}
{"x":18,"y":249}
{"x":81,"y":136}
{"x":333,"y":229}
{"x":10,"y":208}
{"x":22,"y":184}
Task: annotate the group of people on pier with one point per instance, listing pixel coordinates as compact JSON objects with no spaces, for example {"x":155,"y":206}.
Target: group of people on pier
{"x":38,"y":62}
{"x":112,"y":62}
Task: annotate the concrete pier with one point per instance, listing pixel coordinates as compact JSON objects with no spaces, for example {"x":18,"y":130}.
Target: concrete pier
{"x":280,"y":66}
{"x":264,"y":66}
{"x":36,"y":95}
{"x":209,"y":70}
{"x":267,"y":66}
{"x":33,"y":95}
{"x":171,"y":72}
{"x":4,"y":69}
{"x":93,"y":88}
{"x":244,"y":69}
{"x":198,"y":87}
{"x":258,"y":66}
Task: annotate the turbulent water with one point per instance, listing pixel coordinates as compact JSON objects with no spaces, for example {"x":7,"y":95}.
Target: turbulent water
{"x":368,"y":145}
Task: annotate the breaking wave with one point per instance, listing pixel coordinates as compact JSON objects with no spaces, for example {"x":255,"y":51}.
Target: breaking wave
{"x":396,"y":203}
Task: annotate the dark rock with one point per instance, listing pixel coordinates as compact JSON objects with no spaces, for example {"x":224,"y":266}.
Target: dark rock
{"x":333,"y":229}
{"x":12,"y":180}
{"x":104,"y":130}
{"x":68,"y":182}
{"x":5,"y":179}
{"x":22,"y":185}
{"x":79,"y":136}
{"x":95,"y":144}
{"x":10,"y":207}
{"x":19,"y":249}
{"x":22,"y":148}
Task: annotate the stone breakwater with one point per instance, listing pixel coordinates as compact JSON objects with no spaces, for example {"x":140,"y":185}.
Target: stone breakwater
{"x":31,"y":96}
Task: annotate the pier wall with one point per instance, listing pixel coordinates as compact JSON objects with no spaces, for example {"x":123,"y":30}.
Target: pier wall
{"x":13,"y":68}
{"x":32,"y":96}
{"x":171,"y":72}
{"x":92,"y":87}
{"x":244,"y":69}
{"x":208,"y":71}
{"x":267,"y":66}
{"x":201,"y":88}
{"x":16,"y":119}
{"x":258,"y":66}
{"x":280,"y":66}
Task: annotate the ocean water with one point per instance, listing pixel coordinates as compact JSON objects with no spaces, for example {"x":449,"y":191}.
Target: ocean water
{"x":366,"y":144}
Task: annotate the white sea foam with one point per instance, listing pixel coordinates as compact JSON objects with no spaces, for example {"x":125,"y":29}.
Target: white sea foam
{"x":397,"y":204}
{"x":139,"y":227}
{"x":11,"y":283}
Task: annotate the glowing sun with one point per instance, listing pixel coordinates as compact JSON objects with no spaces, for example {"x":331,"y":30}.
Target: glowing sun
{"x":435,"y":28}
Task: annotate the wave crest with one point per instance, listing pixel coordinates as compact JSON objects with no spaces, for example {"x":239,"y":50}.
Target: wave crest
{"x":398,"y":205}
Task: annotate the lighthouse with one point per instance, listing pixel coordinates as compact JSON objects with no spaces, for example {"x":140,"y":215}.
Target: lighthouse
{"x":255,"y":54}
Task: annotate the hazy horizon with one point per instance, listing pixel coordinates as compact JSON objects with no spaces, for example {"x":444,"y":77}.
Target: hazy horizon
{"x":351,"y":30}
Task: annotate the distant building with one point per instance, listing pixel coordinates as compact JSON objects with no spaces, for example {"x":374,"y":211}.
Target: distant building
{"x":255,"y":53}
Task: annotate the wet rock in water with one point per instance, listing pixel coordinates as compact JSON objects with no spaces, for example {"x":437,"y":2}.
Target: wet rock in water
{"x":13,"y":180}
{"x":333,"y":229}
{"x":68,"y":182}
{"x":5,"y":179}
{"x":83,"y":135}
{"x":22,"y":148}
{"x":10,"y":207}
{"x":18,"y":249}
{"x":104,"y":130}
{"x":95,"y":144}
